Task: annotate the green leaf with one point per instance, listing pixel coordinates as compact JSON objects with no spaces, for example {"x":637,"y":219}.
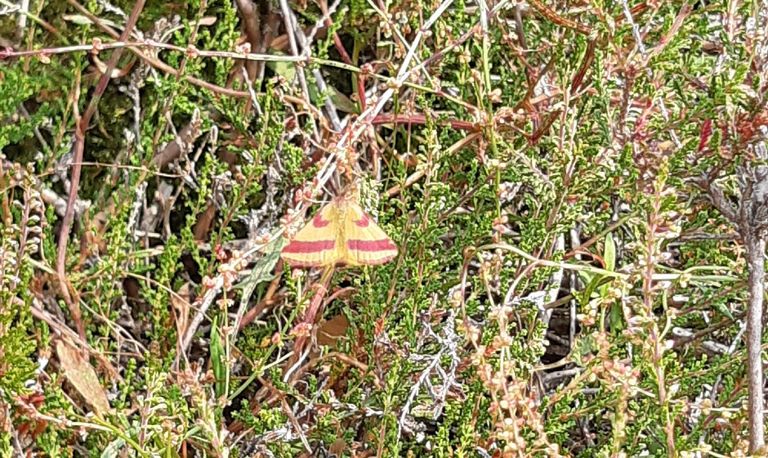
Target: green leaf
{"x":342,"y":102}
{"x":609,"y":254}
{"x":218,"y":359}
{"x":616,"y":318}
{"x":721,"y":308}
{"x":283,"y":68}
{"x":113,"y":449}
{"x":262,"y":271}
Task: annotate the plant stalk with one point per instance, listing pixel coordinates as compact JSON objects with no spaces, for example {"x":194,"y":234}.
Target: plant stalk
{"x":755,"y":246}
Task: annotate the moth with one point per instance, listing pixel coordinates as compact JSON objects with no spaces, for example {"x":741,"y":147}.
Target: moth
{"x":341,"y":233}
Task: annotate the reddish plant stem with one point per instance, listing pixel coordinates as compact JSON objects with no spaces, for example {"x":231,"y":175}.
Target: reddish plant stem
{"x":550,"y":14}
{"x":420,"y":119}
{"x":310,"y":316}
{"x":77,"y":164}
{"x":654,"y":224}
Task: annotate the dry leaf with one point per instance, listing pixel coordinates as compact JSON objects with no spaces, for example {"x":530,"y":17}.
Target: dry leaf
{"x":332,"y":330}
{"x":82,"y":376}
{"x":338,"y":447}
{"x":180,"y":302}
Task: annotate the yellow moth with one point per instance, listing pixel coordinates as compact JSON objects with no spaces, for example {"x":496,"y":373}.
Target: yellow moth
{"x":340,"y":234}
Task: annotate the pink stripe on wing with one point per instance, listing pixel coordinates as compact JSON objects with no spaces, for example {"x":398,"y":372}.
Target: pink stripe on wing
{"x":300,"y":246}
{"x":371,"y":245}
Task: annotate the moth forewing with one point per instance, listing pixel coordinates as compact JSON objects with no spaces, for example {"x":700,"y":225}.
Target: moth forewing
{"x":340,"y":233}
{"x":365,"y":243}
{"x":316,"y":244}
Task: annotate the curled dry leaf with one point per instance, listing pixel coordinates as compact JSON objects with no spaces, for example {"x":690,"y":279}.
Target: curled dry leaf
{"x":82,"y":376}
{"x":180,"y":302}
{"x":332,"y":330}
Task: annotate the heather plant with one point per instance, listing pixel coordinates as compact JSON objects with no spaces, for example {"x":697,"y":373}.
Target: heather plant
{"x":576,"y":191}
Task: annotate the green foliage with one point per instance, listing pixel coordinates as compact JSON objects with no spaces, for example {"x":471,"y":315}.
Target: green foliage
{"x":19,"y":246}
{"x":561,"y":287}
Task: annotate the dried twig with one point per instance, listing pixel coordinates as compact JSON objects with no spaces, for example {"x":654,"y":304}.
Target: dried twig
{"x":292,"y":30}
{"x":448,"y":344}
{"x":751,"y":220}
